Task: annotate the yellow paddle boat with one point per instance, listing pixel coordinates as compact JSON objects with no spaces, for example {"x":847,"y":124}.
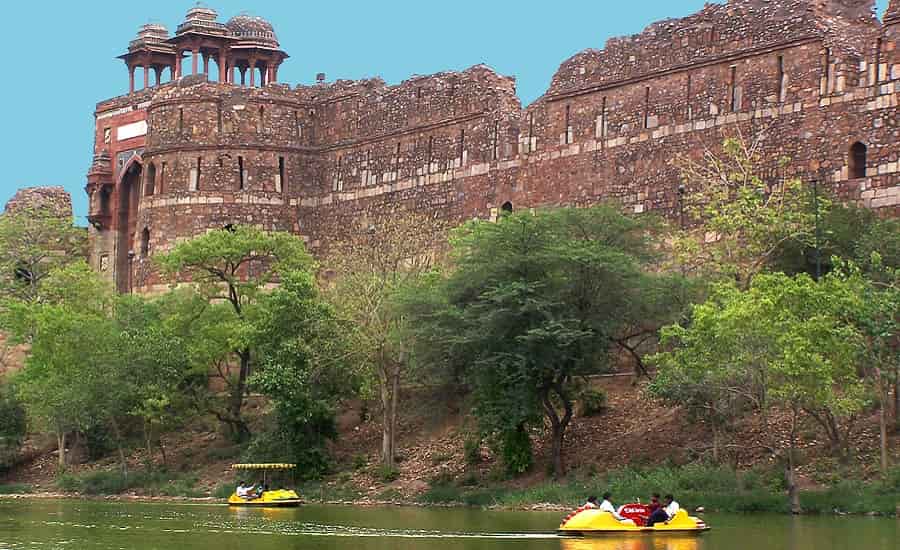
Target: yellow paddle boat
{"x":586,"y":522}
{"x":267,"y":498}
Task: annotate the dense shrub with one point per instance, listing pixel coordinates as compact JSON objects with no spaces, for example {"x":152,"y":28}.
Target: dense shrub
{"x":12,"y":427}
{"x":278,"y":445}
{"x":15,"y":489}
{"x":472,"y":451}
{"x":515,"y":450}
{"x":387,"y":474}
{"x":155,"y":482}
{"x":591,"y":402}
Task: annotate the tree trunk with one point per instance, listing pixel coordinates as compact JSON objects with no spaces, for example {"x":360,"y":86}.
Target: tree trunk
{"x":239,"y":430}
{"x":558,"y":466}
{"x":897,"y":399}
{"x":162,"y":449}
{"x":387,"y":430}
{"x":882,"y":422}
{"x":882,"y":429}
{"x":557,"y":426}
{"x":148,"y":441}
{"x":715,"y":434}
{"x":61,"y":445}
{"x":789,"y":477}
{"x":395,"y":397}
{"x":119,"y":447}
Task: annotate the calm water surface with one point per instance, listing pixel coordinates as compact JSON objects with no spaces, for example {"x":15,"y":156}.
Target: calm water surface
{"x":79,"y":525}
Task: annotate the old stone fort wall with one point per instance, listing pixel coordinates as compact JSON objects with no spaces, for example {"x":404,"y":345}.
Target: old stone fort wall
{"x":818,"y":79}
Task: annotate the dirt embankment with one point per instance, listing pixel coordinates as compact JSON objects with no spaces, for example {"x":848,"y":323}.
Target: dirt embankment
{"x":633,"y":430}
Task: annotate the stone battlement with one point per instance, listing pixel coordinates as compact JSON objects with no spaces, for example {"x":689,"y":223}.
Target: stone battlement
{"x":817,"y":80}
{"x":52,"y":199}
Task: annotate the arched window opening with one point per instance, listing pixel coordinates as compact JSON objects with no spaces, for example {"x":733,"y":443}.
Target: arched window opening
{"x":145,"y":242}
{"x":858,"y":160}
{"x":507,"y":207}
{"x":150,"y":185}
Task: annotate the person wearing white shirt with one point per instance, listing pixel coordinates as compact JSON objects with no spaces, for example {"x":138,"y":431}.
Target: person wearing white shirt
{"x":665,"y":514}
{"x":672,"y":506}
{"x":241,"y":490}
{"x":607,"y":506}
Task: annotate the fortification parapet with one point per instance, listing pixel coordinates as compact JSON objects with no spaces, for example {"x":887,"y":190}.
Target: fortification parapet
{"x":52,"y":199}
{"x":815,"y":80}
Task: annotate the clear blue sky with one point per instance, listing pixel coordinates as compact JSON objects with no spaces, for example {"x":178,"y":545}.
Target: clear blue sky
{"x":60,"y":56}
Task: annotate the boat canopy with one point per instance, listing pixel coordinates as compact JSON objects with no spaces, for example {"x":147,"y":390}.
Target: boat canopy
{"x":264,"y":466}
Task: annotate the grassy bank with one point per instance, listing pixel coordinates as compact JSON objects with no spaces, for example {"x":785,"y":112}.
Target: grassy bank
{"x":150,"y":483}
{"x":15,"y":489}
{"x":716,"y":489}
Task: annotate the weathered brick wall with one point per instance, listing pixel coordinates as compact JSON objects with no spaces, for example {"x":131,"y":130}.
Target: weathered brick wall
{"x":811,"y":77}
{"x":55,"y":200}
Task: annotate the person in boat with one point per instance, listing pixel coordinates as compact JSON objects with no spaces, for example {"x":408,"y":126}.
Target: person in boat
{"x":654,"y":504}
{"x":242,"y":489}
{"x":607,"y":506}
{"x":591,"y":503}
{"x":663,"y":515}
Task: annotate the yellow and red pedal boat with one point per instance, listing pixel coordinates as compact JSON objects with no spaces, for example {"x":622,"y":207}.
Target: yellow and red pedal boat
{"x":587,"y":522}
{"x":279,"y":498}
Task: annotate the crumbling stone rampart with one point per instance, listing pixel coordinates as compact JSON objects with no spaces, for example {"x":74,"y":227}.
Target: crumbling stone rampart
{"x":816,"y":80}
{"x":53,"y":200}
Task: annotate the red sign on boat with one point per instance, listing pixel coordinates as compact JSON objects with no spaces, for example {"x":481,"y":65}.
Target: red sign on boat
{"x":636,"y":512}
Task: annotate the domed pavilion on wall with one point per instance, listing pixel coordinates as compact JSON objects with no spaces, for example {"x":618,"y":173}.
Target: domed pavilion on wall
{"x":212,"y":138}
{"x":245,"y":45}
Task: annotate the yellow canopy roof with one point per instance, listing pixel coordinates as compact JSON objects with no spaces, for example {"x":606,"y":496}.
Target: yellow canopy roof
{"x":264,"y":466}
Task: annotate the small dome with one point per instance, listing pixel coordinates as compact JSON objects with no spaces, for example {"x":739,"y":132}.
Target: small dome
{"x":153,"y":30}
{"x":201,"y":13}
{"x":252,"y":28}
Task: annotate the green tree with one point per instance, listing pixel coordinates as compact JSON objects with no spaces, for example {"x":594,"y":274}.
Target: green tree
{"x":231,"y":269}
{"x":72,"y":342}
{"x":371,"y":268}
{"x":872,"y":306}
{"x":152,"y":372}
{"x":783,"y":344}
{"x":34,"y":242}
{"x":12,"y":426}
{"x":537,"y":301}
{"x":307,"y":370}
{"x":740,"y":211}
{"x":848,"y":233}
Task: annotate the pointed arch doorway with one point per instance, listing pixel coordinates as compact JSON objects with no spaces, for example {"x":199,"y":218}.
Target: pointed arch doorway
{"x":129,"y":194}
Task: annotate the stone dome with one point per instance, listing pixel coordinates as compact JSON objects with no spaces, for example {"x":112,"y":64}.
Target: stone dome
{"x":253,"y":28}
{"x":150,"y":34}
{"x":201,"y":13}
{"x":153,"y":31}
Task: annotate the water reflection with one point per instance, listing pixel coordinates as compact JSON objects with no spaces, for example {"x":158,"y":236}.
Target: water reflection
{"x":634,"y":542}
{"x":97,"y":525}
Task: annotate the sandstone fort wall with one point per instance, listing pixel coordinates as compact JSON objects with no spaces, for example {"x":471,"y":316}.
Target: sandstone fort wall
{"x":814,"y":80}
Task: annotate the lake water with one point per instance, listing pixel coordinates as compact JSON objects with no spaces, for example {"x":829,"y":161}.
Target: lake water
{"x":91,"y":525}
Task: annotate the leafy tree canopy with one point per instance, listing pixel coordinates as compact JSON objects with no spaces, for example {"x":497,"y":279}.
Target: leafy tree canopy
{"x":534,"y":302}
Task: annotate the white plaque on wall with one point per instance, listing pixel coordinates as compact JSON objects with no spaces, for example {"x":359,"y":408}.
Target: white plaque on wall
{"x":129,"y":131}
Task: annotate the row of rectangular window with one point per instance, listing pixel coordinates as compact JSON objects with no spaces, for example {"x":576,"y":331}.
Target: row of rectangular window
{"x":338,"y":179}
{"x":735,"y":100}
{"x":196,"y":171}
